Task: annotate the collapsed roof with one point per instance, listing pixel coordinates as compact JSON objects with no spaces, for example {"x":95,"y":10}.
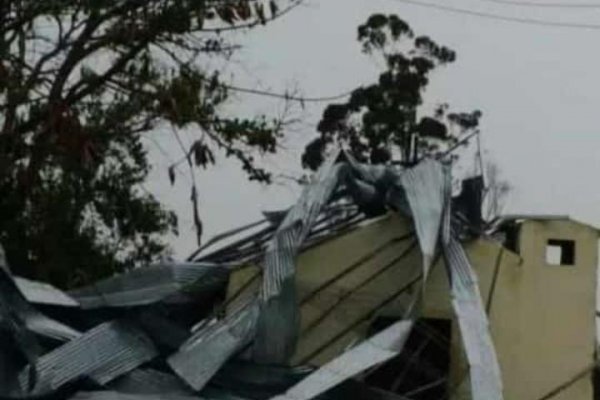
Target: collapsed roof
{"x":159,"y":331}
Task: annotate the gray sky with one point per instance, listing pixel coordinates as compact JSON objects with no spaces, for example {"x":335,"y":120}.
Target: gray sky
{"x":537,"y":87}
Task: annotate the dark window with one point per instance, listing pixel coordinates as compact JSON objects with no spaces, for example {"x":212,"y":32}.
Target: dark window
{"x":420,"y":372}
{"x":560,"y":252}
{"x":512,"y":231}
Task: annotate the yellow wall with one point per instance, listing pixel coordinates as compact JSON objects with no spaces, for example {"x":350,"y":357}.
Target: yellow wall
{"x":541,"y":316}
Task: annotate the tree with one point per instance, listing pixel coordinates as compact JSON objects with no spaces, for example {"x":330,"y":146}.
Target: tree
{"x":381,"y":123}
{"x":80,"y":82}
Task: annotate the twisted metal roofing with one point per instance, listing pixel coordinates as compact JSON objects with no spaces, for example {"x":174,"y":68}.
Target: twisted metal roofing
{"x":124,"y":319}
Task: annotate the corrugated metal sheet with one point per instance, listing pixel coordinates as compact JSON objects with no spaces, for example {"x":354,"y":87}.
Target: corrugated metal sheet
{"x":143,"y":286}
{"x":425,"y":190}
{"x":201,"y":356}
{"x":20,"y":312}
{"x":296,"y":226}
{"x":102,"y":353}
{"x":12,"y":323}
{"x":44,"y":326}
{"x":373,"y":351}
{"x":486,"y":381}
{"x":42,"y":293}
{"x":266,"y":326}
{"x":375,"y":174}
{"x":277,"y":328}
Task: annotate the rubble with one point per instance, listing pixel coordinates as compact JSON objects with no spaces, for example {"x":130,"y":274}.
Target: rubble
{"x":163,"y":331}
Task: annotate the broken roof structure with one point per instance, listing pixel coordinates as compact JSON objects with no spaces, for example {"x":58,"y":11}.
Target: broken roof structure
{"x":179,"y":331}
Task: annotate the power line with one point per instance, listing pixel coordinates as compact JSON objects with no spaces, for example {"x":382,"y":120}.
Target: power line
{"x":497,"y":17}
{"x":287,"y":96}
{"x":542,"y":4}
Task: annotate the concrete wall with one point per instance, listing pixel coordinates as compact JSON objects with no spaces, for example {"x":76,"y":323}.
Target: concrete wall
{"x":541,"y":316}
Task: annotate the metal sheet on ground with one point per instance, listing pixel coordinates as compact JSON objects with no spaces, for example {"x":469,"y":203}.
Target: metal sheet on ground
{"x":201,"y":356}
{"x":102,"y":353}
{"x":371,"y":352}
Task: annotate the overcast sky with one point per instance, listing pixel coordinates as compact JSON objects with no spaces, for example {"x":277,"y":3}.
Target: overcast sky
{"x":538,"y":88}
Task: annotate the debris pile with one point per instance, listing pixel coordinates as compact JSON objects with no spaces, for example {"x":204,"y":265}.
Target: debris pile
{"x":160,"y":331}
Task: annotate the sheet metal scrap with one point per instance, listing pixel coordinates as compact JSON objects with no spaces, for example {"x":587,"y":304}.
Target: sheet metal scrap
{"x":44,"y":294}
{"x":278,"y":324}
{"x":42,"y":325}
{"x":203,"y":354}
{"x":425,"y":188}
{"x":21,"y":315}
{"x":371,"y":352}
{"x":12,"y":322}
{"x":486,"y":381}
{"x":264,"y":330}
{"x":103,"y":354}
{"x":144,"y":286}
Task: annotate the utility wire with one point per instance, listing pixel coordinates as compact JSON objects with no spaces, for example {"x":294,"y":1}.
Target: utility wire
{"x":498,"y":17}
{"x":542,"y":4}
{"x":287,"y":96}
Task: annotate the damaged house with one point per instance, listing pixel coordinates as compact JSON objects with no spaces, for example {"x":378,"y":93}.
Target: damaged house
{"x":376,"y":284}
{"x":541,"y":311}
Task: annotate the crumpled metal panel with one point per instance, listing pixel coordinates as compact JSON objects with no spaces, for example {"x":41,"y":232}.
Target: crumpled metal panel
{"x":268,"y":323}
{"x":375,"y":174}
{"x":371,"y":352}
{"x":20,"y":314}
{"x":425,"y":188}
{"x":102,"y":353}
{"x":20,"y":320}
{"x":43,"y":293}
{"x":486,"y":381}
{"x":47,"y":327}
{"x":201,"y":356}
{"x":13,"y":322}
{"x":296,"y":226}
{"x":278,"y":324}
{"x":143,"y":286}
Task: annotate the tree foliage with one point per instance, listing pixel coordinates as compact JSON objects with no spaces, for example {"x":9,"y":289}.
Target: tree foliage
{"x":80,"y":82}
{"x":383,"y":121}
